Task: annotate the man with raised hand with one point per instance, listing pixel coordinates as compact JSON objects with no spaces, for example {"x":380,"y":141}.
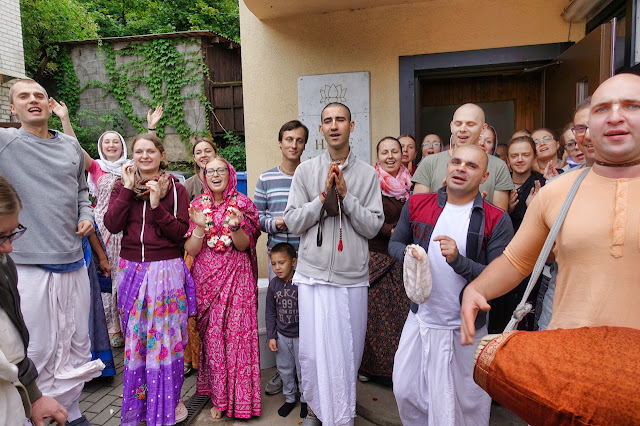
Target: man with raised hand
{"x":461,"y":233}
{"x":332,"y":273}
{"x":597,"y":246}
{"x":47,"y":170}
{"x":467,"y":126}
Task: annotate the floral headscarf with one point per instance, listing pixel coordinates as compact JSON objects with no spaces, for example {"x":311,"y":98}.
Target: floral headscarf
{"x":217,"y":232}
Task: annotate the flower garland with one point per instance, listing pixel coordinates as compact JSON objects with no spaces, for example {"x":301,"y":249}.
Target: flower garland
{"x":219,"y":239}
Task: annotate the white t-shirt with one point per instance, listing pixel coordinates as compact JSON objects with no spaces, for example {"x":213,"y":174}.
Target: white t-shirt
{"x":443,"y":307}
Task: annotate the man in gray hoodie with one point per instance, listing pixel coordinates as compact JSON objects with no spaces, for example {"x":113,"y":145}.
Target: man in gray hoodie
{"x":332,"y":274}
{"x":47,"y":170}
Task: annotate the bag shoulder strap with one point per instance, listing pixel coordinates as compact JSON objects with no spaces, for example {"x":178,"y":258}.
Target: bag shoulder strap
{"x":523,"y":307}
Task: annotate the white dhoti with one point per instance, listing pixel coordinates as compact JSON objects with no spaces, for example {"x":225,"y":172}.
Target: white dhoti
{"x":433,"y":377}
{"x":333,"y":323}
{"x":56,"y":308}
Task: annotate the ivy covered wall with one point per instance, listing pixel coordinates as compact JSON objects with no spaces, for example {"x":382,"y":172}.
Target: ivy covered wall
{"x":113,"y":85}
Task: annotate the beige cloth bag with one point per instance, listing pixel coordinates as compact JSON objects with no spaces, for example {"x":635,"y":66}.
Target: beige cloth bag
{"x":417,"y":275}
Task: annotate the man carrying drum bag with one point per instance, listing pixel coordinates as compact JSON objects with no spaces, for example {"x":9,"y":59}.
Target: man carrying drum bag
{"x":586,"y":368}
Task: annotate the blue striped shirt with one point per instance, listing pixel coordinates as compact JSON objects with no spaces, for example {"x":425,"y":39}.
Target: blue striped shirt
{"x":271,"y":196}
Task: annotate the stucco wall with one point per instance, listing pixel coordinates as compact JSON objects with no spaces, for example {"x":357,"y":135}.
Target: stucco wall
{"x":88,"y":63}
{"x":277,"y":51}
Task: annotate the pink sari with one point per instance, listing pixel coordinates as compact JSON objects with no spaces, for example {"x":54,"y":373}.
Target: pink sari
{"x":226,"y":296}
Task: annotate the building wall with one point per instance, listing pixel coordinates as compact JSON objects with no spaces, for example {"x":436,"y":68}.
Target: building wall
{"x":88,"y":63}
{"x":277,"y":51}
{"x":11,"y":52}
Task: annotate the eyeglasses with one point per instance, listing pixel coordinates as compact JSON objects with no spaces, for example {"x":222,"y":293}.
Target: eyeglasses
{"x":571,"y":145}
{"x":435,"y":144}
{"x":579,"y":131}
{"x":221,"y":171}
{"x":544,"y":139}
{"x":14,"y":235}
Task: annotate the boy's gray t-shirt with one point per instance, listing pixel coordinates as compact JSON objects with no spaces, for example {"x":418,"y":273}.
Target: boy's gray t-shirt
{"x":433,"y":169}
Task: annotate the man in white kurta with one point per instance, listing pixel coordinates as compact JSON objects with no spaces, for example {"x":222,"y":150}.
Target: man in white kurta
{"x":332,"y":273}
{"x":461,"y":233}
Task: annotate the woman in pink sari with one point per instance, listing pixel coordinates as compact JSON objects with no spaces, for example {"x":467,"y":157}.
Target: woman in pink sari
{"x":222,"y":236}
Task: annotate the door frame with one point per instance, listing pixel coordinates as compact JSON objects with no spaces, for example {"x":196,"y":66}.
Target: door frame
{"x":482,"y":61}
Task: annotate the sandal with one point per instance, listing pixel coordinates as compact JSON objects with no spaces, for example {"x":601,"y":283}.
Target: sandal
{"x":181,"y":412}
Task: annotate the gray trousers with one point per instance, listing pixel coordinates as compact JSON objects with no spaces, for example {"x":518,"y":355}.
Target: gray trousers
{"x":289,"y":366}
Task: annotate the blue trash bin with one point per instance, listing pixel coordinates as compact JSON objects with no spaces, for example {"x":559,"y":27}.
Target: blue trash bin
{"x":242,"y":182}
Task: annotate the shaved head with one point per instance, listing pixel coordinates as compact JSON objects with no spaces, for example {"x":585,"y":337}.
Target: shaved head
{"x":470,"y":109}
{"x":478,"y":154}
{"x":614,"y":120}
{"x":467,"y":125}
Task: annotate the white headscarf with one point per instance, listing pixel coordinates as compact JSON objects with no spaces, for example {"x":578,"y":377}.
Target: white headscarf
{"x":113,"y":167}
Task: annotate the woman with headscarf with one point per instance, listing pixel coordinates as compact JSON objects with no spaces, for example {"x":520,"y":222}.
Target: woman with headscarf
{"x":388,"y":303}
{"x":155,"y":289}
{"x":103,"y":174}
{"x":101,"y":178}
{"x":222,"y":238}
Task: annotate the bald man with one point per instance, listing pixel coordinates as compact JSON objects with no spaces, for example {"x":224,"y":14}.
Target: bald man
{"x":597,"y":246}
{"x":467,"y":125}
{"x":461,"y":234}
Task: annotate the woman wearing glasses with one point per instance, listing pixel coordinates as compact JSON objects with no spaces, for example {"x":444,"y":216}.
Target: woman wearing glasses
{"x":155,"y":290}
{"x":547,"y":148}
{"x":222,"y":237}
{"x":431,"y":144}
{"x":575,"y":158}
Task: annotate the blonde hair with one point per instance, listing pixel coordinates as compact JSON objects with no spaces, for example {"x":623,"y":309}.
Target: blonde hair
{"x":9,"y":199}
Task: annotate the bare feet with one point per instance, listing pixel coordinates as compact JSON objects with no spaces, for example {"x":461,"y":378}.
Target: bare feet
{"x":216,"y":414}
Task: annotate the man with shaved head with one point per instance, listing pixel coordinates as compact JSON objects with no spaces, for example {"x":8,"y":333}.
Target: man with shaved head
{"x":467,"y":126}
{"x":597,"y":246}
{"x":461,"y":233}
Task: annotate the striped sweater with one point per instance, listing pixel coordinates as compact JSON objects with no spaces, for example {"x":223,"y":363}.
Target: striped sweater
{"x":271,"y":196}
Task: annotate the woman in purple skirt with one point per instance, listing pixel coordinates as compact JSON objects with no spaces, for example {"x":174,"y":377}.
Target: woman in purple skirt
{"x":155,"y":291}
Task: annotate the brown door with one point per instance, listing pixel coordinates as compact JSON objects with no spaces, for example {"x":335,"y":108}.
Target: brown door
{"x":511,"y":100}
{"x":579,"y":71}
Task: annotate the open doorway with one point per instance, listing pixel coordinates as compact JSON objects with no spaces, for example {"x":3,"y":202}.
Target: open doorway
{"x":510,"y":102}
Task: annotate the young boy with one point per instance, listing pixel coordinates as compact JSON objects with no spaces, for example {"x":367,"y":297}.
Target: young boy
{"x":281,"y":314}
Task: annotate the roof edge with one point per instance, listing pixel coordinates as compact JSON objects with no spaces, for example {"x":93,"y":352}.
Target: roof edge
{"x":142,"y":37}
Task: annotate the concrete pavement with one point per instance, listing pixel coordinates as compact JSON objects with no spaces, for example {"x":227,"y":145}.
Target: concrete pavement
{"x":100,"y":402}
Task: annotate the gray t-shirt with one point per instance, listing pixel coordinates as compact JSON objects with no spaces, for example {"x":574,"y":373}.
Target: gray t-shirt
{"x":433,"y":169}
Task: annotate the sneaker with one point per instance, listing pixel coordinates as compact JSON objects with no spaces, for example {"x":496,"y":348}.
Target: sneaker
{"x":311,"y":419}
{"x":274,"y":386}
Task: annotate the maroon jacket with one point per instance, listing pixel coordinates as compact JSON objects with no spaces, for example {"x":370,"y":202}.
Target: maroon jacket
{"x":148,"y":234}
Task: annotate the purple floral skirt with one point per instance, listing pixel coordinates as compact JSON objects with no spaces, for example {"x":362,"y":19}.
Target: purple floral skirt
{"x":152,"y":300}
